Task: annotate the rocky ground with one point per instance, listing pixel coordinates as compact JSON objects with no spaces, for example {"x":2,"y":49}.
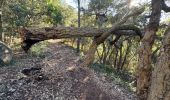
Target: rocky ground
{"x":56,"y":75}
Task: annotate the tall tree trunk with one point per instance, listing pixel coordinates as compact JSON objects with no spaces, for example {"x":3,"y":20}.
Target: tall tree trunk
{"x":120,"y":59}
{"x":1,"y":3}
{"x":0,"y":26}
{"x":160,"y":84}
{"x":145,"y":51}
{"x":78,"y":40}
{"x":103,"y":53}
{"x":115,"y":58}
{"x":126,"y":54}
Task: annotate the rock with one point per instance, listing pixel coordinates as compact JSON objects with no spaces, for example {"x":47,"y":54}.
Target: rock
{"x":12,"y":90}
{"x":5,"y":54}
{"x":3,"y":88}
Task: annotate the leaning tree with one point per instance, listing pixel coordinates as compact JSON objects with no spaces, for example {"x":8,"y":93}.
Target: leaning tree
{"x":155,"y":87}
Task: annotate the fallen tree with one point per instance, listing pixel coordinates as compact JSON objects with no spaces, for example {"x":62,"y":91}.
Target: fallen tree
{"x":31,"y":36}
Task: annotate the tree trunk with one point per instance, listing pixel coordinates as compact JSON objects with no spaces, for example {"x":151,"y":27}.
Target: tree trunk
{"x":126,"y":54}
{"x":160,"y":84}
{"x":32,"y":36}
{"x":1,"y":3}
{"x":103,"y":53}
{"x":90,"y":55}
{"x":78,"y":40}
{"x":115,"y":58}
{"x":120,"y":59}
{"x":145,"y":51}
{"x":0,"y":26}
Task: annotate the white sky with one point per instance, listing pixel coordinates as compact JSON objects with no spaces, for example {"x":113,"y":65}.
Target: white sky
{"x":137,"y":2}
{"x":134,"y":2}
{"x":71,"y":2}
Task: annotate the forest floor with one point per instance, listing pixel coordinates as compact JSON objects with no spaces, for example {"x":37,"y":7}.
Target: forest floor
{"x":56,"y":75}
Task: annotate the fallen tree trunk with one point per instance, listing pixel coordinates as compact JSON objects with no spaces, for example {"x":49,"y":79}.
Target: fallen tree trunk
{"x":31,"y":36}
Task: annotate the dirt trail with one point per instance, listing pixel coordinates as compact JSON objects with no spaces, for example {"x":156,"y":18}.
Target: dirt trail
{"x":56,"y":76}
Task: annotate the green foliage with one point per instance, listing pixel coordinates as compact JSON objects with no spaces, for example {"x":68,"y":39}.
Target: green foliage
{"x":60,"y":14}
{"x":21,"y":13}
{"x":37,"y":49}
{"x":122,"y":78}
{"x":54,"y":14}
{"x":99,"y":5}
{"x":119,"y":78}
{"x":102,"y":68}
{"x":24,"y":13}
{"x":34,"y":13}
{"x":69,"y":16}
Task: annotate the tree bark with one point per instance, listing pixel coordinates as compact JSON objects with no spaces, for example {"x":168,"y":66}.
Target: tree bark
{"x":160,"y":81}
{"x":145,"y":51}
{"x":120,"y":59}
{"x":78,"y":40}
{"x":31,"y":36}
{"x":1,"y":3}
{"x":160,"y":84}
{"x":126,"y":54}
{"x":0,"y":25}
{"x":90,"y":55}
{"x":115,"y":58}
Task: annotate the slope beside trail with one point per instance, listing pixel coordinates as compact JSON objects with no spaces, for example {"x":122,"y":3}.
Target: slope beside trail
{"x":56,"y":75}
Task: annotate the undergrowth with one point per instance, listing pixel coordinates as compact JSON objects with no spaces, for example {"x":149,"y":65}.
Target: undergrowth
{"x":121,"y":78}
{"x":37,"y":49}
